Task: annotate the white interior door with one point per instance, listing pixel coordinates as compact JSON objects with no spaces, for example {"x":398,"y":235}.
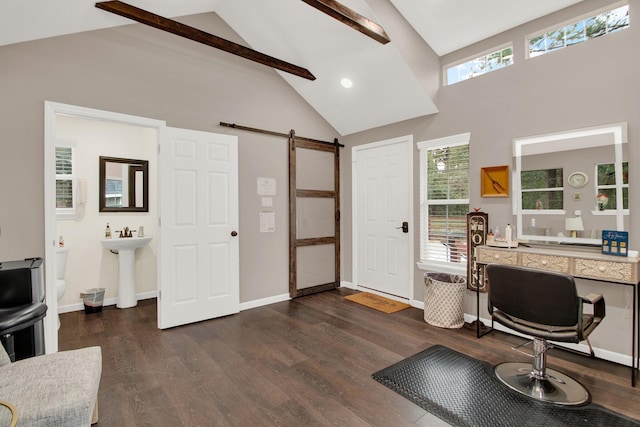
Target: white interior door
{"x":382,"y":193}
{"x":198,"y":261}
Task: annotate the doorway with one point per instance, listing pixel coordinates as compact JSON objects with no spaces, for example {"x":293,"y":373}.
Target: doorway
{"x":382,"y":186}
{"x":52,"y":112}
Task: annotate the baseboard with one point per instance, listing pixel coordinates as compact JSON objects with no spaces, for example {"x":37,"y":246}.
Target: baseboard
{"x":107,"y":302}
{"x":600,"y":353}
{"x":264,"y":301}
{"x":154,"y":294}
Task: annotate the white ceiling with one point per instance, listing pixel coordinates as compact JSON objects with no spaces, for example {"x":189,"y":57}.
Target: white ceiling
{"x":385,"y":90}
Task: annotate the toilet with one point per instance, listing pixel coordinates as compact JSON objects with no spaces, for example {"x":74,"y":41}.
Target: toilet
{"x":61,"y":266}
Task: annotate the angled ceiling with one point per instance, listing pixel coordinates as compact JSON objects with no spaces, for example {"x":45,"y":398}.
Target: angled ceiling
{"x":385,"y":88}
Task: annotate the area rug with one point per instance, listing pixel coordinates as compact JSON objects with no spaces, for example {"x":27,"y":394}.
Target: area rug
{"x":463,"y":392}
{"x":377,"y":302}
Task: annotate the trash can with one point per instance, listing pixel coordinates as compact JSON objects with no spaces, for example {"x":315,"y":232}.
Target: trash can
{"x":93,"y":299}
{"x":444,"y":299}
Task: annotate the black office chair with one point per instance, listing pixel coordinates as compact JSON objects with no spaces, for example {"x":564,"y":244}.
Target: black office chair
{"x":545,"y":306}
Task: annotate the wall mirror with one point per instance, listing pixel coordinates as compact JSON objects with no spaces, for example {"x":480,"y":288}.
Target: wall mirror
{"x":569,"y":186}
{"x":124,"y":185}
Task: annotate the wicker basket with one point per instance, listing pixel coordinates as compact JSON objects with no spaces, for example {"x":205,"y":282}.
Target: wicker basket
{"x":444,"y":299}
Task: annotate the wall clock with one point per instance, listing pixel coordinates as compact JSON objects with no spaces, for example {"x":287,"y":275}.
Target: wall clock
{"x":578,"y":179}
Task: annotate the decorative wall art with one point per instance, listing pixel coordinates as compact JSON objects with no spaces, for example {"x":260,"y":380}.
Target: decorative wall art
{"x":494,"y":181}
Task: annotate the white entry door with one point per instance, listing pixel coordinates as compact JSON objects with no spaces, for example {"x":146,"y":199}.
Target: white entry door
{"x":198,"y":261}
{"x":382,"y":179}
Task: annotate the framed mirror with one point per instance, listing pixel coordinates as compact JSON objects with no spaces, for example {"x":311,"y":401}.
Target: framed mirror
{"x":124,"y":185}
{"x":569,"y":186}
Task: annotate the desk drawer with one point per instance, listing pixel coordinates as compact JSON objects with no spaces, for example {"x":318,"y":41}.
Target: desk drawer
{"x":607,"y":270}
{"x":495,"y":256}
{"x":559,"y":264}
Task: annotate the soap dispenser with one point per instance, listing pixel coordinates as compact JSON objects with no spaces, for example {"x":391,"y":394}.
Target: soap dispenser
{"x":107,"y":232}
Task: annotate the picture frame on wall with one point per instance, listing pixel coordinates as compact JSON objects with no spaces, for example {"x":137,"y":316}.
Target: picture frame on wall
{"x":494,"y":181}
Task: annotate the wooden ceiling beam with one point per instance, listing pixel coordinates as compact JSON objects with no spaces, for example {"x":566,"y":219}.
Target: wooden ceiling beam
{"x":191,"y":33}
{"x":351,"y":18}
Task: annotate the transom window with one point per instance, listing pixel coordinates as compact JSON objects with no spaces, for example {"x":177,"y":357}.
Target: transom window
{"x":592,"y":26}
{"x":494,"y":60}
{"x":444,"y":203}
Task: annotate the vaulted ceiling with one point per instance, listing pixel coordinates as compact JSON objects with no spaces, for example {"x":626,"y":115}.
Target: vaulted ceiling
{"x":391,"y":82}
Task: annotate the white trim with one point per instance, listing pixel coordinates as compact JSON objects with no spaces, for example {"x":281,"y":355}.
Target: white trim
{"x":445,"y":141}
{"x":51,"y":109}
{"x":620,"y":358}
{"x":570,"y":21}
{"x":408,"y":140}
{"x":264,"y":301}
{"x":484,"y":53}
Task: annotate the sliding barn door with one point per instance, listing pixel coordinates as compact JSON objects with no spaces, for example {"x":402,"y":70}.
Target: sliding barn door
{"x":314,"y":218}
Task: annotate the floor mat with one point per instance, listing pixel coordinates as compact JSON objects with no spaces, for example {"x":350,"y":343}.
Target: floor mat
{"x":463,"y":392}
{"x":377,"y":302}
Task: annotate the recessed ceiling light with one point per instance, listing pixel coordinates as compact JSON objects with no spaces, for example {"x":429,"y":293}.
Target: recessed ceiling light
{"x":346,"y":83}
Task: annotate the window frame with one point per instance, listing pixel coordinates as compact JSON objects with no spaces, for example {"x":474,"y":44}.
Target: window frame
{"x":423,"y":147}
{"x":543,"y":211}
{"x":67,"y":213}
{"x":572,"y":21}
{"x":475,"y":57}
{"x":614,"y":186}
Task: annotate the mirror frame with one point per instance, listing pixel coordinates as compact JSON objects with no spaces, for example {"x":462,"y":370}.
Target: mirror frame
{"x":619,"y":133}
{"x":138,"y":165}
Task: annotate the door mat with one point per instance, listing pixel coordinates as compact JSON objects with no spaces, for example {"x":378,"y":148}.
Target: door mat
{"x":377,"y":302}
{"x":464,"y":392}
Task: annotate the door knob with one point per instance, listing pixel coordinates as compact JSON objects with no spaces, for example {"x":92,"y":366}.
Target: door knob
{"x":234,"y":233}
{"x":405,"y":227}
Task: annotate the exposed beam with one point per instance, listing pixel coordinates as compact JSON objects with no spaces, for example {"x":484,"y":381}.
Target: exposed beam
{"x":182,"y":30}
{"x":351,"y":18}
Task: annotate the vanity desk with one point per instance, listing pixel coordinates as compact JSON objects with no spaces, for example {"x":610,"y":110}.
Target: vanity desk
{"x":578,"y":262}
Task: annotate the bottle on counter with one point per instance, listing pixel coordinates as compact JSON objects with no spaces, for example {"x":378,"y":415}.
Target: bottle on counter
{"x":496,"y":233}
{"x":508,"y":233}
{"x":107,"y":232}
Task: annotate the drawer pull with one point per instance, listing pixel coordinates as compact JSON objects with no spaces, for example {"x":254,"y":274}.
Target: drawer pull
{"x":496,"y":256}
{"x":543,"y":262}
{"x":601,"y":269}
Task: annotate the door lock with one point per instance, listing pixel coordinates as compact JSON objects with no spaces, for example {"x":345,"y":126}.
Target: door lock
{"x":405,"y":227}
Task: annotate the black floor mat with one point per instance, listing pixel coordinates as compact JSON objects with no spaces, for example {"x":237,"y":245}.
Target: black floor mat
{"x":463,"y":392}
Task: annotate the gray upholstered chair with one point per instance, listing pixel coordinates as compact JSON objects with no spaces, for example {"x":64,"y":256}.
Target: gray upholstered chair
{"x":545,"y":306}
{"x":59,"y":389}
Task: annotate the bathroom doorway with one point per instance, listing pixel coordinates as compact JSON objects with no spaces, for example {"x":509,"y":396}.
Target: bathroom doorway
{"x":56,"y":116}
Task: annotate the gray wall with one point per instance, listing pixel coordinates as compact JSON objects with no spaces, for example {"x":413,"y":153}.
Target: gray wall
{"x":142,"y":71}
{"x":587,"y":84}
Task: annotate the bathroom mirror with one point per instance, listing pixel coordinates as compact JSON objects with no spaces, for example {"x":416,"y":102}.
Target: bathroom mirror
{"x":124,"y":185}
{"x":569,"y":186}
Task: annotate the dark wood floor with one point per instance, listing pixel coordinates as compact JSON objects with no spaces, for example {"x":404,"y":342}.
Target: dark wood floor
{"x":303,"y":362}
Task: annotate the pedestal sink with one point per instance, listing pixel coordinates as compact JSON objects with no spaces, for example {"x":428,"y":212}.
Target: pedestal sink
{"x":126,"y":249}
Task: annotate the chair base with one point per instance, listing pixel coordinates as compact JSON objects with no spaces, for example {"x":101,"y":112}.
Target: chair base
{"x":555,"y":387}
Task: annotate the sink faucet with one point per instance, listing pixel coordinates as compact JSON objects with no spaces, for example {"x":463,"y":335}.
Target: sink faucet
{"x":126,"y":232}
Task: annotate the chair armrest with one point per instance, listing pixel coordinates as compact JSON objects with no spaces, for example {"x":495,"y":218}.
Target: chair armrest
{"x":591,"y":298}
{"x":597,"y":300}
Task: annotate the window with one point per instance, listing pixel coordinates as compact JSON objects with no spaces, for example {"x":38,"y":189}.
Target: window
{"x":494,"y":60}
{"x":606,"y":186}
{"x":542,"y":189}
{"x":444,"y":203}
{"x":591,"y":26}
{"x":65,"y":178}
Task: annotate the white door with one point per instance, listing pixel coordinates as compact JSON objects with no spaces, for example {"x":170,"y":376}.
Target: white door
{"x":198,"y":260}
{"x":382,"y":177}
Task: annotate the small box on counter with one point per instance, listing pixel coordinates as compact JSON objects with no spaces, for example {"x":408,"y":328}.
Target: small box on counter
{"x":615,"y":242}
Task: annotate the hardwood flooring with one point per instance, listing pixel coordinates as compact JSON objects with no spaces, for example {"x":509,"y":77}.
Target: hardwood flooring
{"x":302,"y":362}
